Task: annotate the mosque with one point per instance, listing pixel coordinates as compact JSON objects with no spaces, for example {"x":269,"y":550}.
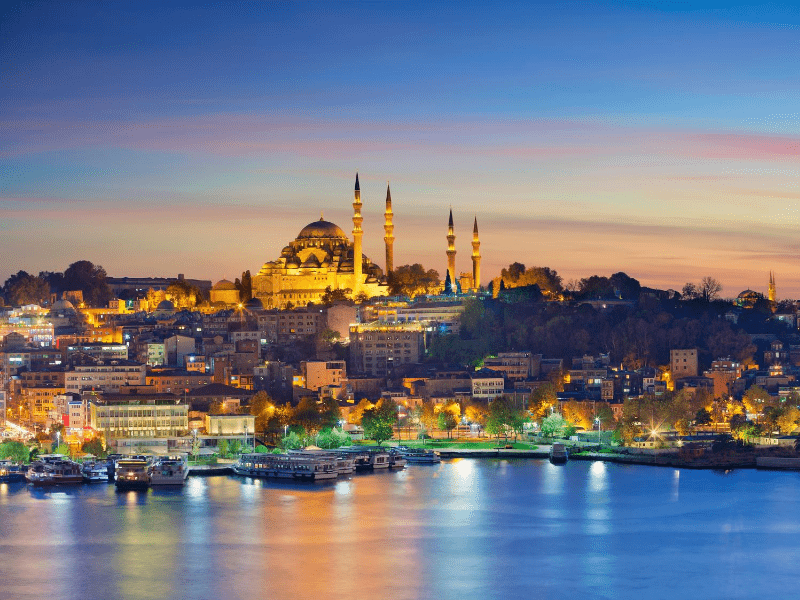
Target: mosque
{"x":322,"y":257}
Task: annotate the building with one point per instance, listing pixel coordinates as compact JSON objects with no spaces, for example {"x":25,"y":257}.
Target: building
{"x":230,"y":425}
{"x":317,"y":374}
{"x":138,"y":416}
{"x":487,"y":384}
{"x":108,"y":376}
{"x":320,"y":258}
{"x":516,"y":366}
{"x":683,"y":363}
{"x":177,"y":347}
{"x":224,"y":292}
{"x":378,"y":349}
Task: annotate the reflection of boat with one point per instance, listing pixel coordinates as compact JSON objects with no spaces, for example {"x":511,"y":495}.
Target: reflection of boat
{"x":131,"y":474}
{"x":558,"y":454}
{"x":420,"y":456}
{"x":54,"y":469}
{"x":287,"y":466}
{"x":95,"y":471}
{"x":11,"y":472}
{"x":169,"y":470}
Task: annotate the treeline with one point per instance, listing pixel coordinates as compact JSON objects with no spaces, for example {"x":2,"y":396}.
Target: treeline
{"x":25,"y":288}
{"x":633,"y":337}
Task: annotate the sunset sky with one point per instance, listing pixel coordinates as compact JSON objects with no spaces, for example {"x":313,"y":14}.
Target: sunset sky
{"x":658,"y":139}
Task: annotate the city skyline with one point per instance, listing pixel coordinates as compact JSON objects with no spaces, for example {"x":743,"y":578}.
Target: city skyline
{"x":656,"y":139}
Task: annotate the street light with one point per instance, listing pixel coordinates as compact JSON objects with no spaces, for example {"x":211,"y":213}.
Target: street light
{"x":597,"y":421}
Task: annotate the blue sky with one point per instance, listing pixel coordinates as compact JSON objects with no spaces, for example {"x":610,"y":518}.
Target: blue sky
{"x":659,"y":139}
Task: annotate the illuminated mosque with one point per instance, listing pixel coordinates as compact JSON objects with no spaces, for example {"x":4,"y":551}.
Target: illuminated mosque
{"x":323,"y":257}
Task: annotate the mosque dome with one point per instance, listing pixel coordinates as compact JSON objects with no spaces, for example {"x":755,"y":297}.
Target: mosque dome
{"x":224,"y":284}
{"x":165,"y":305}
{"x":322,"y":229}
{"x":254,"y":304}
{"x":61,"y":305}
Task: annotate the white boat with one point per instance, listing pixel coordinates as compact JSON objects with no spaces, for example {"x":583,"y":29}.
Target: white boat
{"x":287,"y":466}
{"x":54,"y":469}
{"x":95,"y":472}
{"x":420,"y":456}
{"x":131,"y":474}
{"x":169,"y":470}
{"x":558,"y":454}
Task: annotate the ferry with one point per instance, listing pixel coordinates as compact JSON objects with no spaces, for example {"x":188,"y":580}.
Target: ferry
{"x":346,"y":465}
{"x":95,"y":472}
{"x":169,"y":470}
{"x":558,"y":454}
{"x":11,"y":472}
{"x":287,"y":466}
{"x":131,"y":474}
{"x":367,"y":458}
{"x":54,"y":469}
{"x":420,"y":456}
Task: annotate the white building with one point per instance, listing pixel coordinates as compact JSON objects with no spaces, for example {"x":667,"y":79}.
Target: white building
{"x":108,"y":376}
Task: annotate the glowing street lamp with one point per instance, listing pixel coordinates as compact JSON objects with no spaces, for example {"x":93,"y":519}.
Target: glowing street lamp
{"x":597,"y":422}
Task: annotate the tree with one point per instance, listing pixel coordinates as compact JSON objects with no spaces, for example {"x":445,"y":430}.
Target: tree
{"x":62,"y":449}
{"x":330,"y":296}
{"x":413,"y":280}
{"x":291,"y":441}
{"x":183,"y":294}
{"x":709,"y":289}
{"x":541,"y":400}
{"x":15,"y":451}
{"x":448,"y":283}
{"x":23,"y":288}
{"x":357,"y":414}
{"x":222,"y":448}
{"x":378,"y":422}
{"x":755,"y":399}
{"x":94,"y":447}
{"x":788,"y":419}
{"x":553,"y":425}
{"x":689,"y":292}
{"x":329,"y":413}
{"x":245,"y":287}
{"x":702,"y":417}
{"x":477,"y":413}
{"x":447,"y":421}
{"x":90,"y":280}
{"x":307,"y":415}
{"x":504,"y":417}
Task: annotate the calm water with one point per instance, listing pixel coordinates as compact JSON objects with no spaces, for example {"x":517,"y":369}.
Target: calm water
{"x":463,"y":529}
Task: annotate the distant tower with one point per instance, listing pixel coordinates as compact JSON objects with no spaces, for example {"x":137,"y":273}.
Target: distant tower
{"x":476,"y":258}
{"x":451,"y":250}
{"x":388,"y":227}
{"x":357,"y":235}
{"x":771,"y":292}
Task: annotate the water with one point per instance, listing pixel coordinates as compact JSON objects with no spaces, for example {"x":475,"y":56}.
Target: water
{"x":463,"y":529}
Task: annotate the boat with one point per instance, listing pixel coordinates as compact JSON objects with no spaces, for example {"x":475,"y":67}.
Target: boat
{"x":558,"y":454}
{"x":396,"y":459}
{"x":345,"y":465}
{"x":11,"y":472}
{"x":367,"y":458}
{"x":131,"y":474}
{"x":95,"y":472}
{"x":54,"y":469}
{"x":169,"y":470}
{"x":287,"y":466}
{"x":420,"y":456}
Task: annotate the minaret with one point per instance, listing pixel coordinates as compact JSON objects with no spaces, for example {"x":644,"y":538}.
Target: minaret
{"x":357,"y":234}
{"x":451,"y":250}
{"x":476,"y":257}
{"x":388,"y":227}
{"x":771,"y":292}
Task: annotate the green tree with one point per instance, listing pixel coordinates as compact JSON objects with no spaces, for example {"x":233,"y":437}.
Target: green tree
{"x":504,"y":417}
{"x":235,"y":447}
{"x":222,"y":448}
{"x":329,"y":412}
{"x":15,"y":451}
{"x":378,"y":422}
{"x":62,"y":449}
{"x":307,"y":415}
{"x":291,"y":441}
{"x":94,"y":447}
{"x":553,"y":425}
{"x":262,"y":449}
{"x":447,"y":421}
{"x":183,"y":294}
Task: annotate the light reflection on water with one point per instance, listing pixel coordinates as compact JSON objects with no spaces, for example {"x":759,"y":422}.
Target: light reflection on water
{"x":460,"y":529}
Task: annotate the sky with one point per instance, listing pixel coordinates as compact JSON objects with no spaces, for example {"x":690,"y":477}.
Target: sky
{"x":661,"y":139}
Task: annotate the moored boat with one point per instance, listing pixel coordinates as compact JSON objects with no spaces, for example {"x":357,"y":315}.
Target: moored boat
{"x":54,"y":469}
{"x":95,"y":472}
{"x":345,"y":465}
{"x":11,"y":472}
{"x":287,"y":466}
{"x":420,"y":456}
{"x":131,"y":474}
{"x":558,"y":454}
{"x":169,"y":470}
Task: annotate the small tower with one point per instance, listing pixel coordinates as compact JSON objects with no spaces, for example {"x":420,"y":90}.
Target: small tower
{"x":476,"y":257}
{"x":357,"y":235}
{"x":451,"y":249}
{"x":771,"y":291}
{"x":388,"y":227}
